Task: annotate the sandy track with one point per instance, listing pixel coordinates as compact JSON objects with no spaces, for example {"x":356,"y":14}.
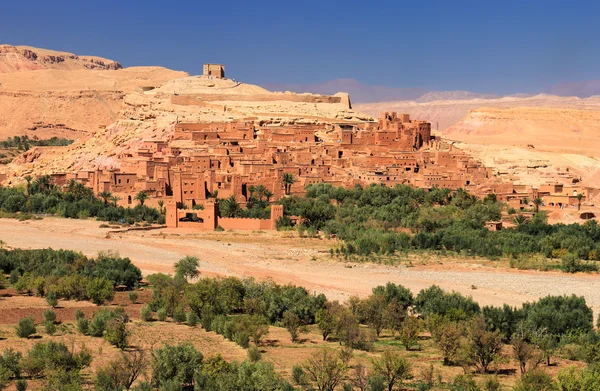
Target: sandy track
{"x":290,"y":260}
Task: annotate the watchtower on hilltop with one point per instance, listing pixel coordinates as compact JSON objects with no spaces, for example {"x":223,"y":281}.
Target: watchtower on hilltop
{"x":214,"y":70}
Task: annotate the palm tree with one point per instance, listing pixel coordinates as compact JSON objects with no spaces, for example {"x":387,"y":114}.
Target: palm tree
{"x":268,"y":194}
{"x":114,"y":199}
{"x":28,"y":178}
{"x":288,"y":181}
{"x":526,"y":201}
{"x":105,"y":195}
{"x":161,"y":205}
{"x":260,"y":191}
{"x":579,"y":197}
{"x":519,"y":220}
{"x":252,"y":190}
{"x":229,"y":207}
{"x":141,"y":197}
{"x":537,"y":203}
{"x":447,"y":194}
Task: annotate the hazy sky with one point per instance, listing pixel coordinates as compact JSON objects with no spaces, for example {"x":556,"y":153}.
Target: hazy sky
{"x":485,"y":46}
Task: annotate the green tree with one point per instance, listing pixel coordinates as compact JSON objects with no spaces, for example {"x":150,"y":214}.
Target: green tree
{"x":105,"y":195}
{"x":537,"y":202}
{"x":229,"y":207}
{"x":579,"y":198}
{"x":141,"y":197}
{"x":327,"y":369}
{"x":288,"y":180}
{"x":187,"y":267}
{"x":177,"y":363}
{"x":292,"y":323}
{"x":100,"y":290}
{"x":393,"y":368}
{"x":536,"y":380}
{"x":481,"y":346}
{"x":26,"y":327}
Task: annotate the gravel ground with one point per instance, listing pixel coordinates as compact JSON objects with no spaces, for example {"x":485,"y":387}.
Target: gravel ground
{"x":299,"y":261}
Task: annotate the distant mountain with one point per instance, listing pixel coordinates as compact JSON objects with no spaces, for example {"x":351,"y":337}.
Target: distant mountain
{"x":453,"y":95}
{"x":583,"y":89}
{"x":359,"y":92}
{"x":364,"y":93}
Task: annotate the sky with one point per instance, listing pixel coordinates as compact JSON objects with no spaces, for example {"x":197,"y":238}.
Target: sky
{"x":486,"y":46}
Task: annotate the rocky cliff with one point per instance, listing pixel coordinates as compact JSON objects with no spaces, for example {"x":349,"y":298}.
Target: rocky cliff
{"x":24,"y":58}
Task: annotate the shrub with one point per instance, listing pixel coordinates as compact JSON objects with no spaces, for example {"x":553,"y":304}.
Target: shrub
{"x":187,"y":267}
{"x":52,"y":299}
{"x":26,"y":327}
{"x":434,"y":300}
{"x":21,"y":385}
{"x":133,"y":296}
{"x":254,"y":354}
{"x":559,"y":314}
{"x":175,"y":363}
{"x":292,"y":323}
{"x":83,"y":325}
{"x":464,"y":382}
{"x":146,"y":313}
{"x":79,"y":314}
{"x":50,"y":328}
{"x":116,"y":332}
{"x":298,"y":375}
{"x":161,"y":314}
{"x":535,"y":380}
{"x":100,"y":290}
{"x":179,"y":315}
{"x":192,"y":319}
{"x":49,"y":316}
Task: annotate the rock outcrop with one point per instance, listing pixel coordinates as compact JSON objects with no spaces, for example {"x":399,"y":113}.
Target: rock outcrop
{"x":24,"y":58}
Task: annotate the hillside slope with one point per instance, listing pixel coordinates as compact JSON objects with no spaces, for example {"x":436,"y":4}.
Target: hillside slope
{"x":26,"y":58}
{"x":45,"y":93}
{"x":445,"y":113}
{"x":533,"y":144}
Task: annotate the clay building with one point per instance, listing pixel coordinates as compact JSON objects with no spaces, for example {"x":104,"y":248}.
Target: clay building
{"x":229,"y":158}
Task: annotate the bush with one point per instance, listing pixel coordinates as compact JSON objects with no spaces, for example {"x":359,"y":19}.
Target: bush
{"x":21,"y":385}
{"x":536,"y":380}
{"x":83,"y":325}
{"x":179,"y":315}
{"x":146,"y":313}
{"x":175,"y":363}
{"x":49,"y":316}
{"x":100,"y":290}
{"x":161,"y":314}
{"x":50,"y":328}
{"x":133,"y":296}
{"x":434,"y":300}
{"x":254,"y":354}
{"x":116,"y":332}
{"x":79,"y":314}
{"x":26,"y":327}
{"x":52,"y":299}
{"x":298,"y":375}
{"x":559,"y":314}
{"x":192,"y":319}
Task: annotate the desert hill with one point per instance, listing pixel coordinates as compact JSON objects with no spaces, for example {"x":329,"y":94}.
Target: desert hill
{"x":444,"y":113}
{"x":534,"y":144}
{"x":26,"y":58}
{"x":113,"y":111}
{"x":45,"y":93}
{"x":528,"y":140}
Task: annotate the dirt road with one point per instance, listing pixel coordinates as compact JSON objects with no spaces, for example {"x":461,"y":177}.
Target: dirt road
{"x":285,"y":259}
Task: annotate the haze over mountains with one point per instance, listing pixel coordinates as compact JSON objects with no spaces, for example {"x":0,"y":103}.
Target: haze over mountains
{"x":365,"y":93}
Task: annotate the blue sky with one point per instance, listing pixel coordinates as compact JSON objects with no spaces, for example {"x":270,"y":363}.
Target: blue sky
{"x":484,"y":46}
